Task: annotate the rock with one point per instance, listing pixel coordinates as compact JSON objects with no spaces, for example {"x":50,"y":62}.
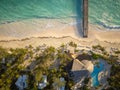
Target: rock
{"x":101,"y":75}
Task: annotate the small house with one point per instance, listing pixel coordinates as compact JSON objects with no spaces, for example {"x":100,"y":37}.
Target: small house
{"x":21,"y":83}
{"x":43,"y":84}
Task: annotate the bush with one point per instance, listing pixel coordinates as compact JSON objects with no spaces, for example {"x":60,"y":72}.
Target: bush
{"x":86,"y":80}
{"x":115,"y":77}
{"x":72,"y":44}
{"x":95,"y":56}
{"x":117,"y":52}
{"x":98,"y":47}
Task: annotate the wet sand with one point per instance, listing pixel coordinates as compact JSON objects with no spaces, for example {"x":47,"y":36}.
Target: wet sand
{"x":51,"y":32}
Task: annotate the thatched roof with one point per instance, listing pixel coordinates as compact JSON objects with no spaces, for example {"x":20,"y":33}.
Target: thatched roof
{"x":88,"y":65}
{"x":82,"y":65}
{"x":81,"y":69}
{"x":77,"y":65}
{"x":79,"y":75}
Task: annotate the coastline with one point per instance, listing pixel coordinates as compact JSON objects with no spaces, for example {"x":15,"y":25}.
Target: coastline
{"x":38,"y":28}
{"x":26,"y":33}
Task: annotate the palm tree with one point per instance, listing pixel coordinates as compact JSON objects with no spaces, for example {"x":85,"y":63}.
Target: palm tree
{"x":58,"y":83}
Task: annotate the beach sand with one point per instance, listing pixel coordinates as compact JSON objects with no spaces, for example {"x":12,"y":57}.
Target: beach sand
{"x":54,"y":32}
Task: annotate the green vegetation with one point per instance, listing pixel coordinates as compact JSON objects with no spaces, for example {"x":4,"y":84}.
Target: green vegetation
{"x":3,"y":53}
{"x":98,"y":47}
{"x":111,"y":59}
{"x":49,"y":61}
{"x":72,"y":44}
{"x":115,"y":77}
{"x":10,"y":70}
{"x":117,"y":52}
{"x":85,"y":87}
{"x":43,"y":64}
{"x":95,"y":56}
{"x":86,"y":80}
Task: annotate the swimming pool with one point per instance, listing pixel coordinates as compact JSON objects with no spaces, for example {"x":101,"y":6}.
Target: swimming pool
{"x":94,"y":75}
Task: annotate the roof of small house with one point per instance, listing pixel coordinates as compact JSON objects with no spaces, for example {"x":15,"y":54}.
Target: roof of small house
{"x":81,"y":69}
{"x":80,"y":74}
{"x":21,"y":82}
{"x":77,"y":65}
{"x":82,"y":65}
{"x":88,"y":65}
{"x":62,"y":87}
{"x":44,"y":83}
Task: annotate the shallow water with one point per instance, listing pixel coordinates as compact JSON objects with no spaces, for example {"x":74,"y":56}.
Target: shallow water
{"x":101,"y":12}
{"x":13,"y":10}
{"x":105,"y":12}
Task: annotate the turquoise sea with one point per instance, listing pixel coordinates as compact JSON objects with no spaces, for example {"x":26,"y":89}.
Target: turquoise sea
{"x":12,"y":10}
{"x":105,"y":13}
{"x":101,"y":12}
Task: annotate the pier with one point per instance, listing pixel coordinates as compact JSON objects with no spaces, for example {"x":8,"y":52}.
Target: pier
{"x":85,"y":18}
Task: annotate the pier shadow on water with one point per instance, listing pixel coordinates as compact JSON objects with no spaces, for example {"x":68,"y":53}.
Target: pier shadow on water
{"x":79,"y":17}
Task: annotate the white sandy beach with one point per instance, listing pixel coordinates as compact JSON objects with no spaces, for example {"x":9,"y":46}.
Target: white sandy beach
{"x":54,"y":28}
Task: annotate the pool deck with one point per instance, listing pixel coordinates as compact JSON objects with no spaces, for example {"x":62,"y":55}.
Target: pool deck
{"x":97,"y":69}
{"x":100,"y":74}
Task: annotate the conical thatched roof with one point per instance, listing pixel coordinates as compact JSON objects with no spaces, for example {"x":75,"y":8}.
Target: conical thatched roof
{"x":77,"y":65}
{"x":81,"y":69}
{"x":82,"y":65}
{"x":88,"y":65}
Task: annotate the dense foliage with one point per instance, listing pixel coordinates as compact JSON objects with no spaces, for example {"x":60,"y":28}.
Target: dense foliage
{"x":43,"y":62}
{"x":49,"y":61}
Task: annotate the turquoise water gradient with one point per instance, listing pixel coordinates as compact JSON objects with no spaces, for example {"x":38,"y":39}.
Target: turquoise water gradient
{"x":12,"y":10}
{"x":102,"y":12}
{"x":94,"y":74}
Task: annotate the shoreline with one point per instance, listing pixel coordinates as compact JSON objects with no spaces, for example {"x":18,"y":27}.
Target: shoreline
{"x":101,"y":24}
{"x":55,"y":29}
{"x":110,"y":27}
{"x":36,"y":28}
